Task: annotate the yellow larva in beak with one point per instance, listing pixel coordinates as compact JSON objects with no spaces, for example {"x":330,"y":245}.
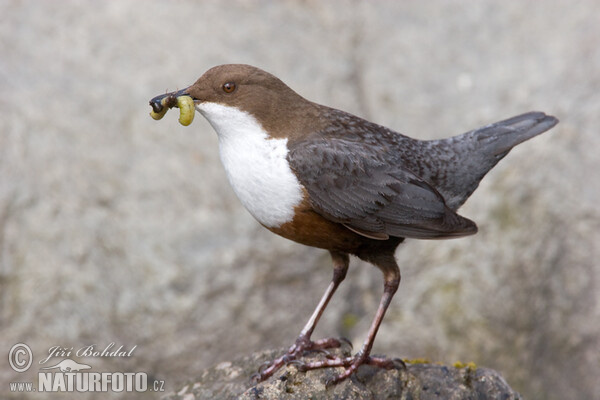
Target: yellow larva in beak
{"x":186,"y":110}
{"x":158,"y":115}
{"x":161,"y":104}
{"x":165,"y":104}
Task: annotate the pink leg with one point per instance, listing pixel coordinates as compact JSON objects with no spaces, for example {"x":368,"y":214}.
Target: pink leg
{"x":303,"y":342}
{"x":351,"y":364}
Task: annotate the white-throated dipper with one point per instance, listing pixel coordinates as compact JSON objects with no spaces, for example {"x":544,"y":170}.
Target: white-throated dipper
{"x":325,"y":178}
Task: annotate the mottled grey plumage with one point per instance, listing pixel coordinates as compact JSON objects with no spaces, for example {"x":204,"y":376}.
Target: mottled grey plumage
{"x":380,"y":183}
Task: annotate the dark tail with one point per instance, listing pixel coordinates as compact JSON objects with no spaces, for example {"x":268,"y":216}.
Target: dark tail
{"x":472,"y":154}
{"x":497,"y":139}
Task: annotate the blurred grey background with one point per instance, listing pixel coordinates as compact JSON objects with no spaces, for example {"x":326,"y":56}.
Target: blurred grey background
{"x":117,"y":228}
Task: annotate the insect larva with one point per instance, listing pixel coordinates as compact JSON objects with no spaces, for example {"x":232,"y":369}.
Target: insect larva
{"x":165,"y":104}
{"x":186,"y":110}
{"x":184,"y":103}
{"x":158,"y":115}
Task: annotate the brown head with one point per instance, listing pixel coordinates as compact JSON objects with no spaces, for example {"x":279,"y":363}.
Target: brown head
{"x":274,"y":104}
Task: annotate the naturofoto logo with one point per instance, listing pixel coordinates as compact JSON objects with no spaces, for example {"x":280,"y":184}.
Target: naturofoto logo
{"x":68,"y":375}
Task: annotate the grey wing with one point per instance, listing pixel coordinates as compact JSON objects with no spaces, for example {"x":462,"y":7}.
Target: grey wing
{"x":369,"y":195}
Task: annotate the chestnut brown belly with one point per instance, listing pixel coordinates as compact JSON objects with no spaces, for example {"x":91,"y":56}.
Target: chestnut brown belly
{"x":311,"y":229}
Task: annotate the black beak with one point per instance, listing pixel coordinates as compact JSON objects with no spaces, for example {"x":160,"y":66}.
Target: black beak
{"x":170,"y":100}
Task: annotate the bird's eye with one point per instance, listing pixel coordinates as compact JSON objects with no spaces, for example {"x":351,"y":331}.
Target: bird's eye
{"x":228,"y":87}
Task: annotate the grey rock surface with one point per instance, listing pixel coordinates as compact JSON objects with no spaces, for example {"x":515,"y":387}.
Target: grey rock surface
{"x":230,"y":380}
{"x":118,"y":228}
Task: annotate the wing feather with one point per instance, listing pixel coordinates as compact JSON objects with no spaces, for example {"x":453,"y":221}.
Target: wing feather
{"x":370,"y":193}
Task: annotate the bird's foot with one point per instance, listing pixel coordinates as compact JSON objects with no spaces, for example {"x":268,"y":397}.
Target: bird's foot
{"x":302,"y":345}
{"x":350,"y":365}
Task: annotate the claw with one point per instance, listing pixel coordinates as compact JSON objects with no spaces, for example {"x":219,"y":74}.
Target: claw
{"x":304,"y":345}
{"x":256,"y":377}
{"x":288,"y":358}
{"x":325,"y":352}
{"x":347,"y":341}
{"x":399,"y":364}
{"x":264,"y":366}
{"x":331,"y":381}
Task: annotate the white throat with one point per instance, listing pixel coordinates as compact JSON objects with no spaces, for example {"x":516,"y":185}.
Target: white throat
{"x":256,"y":164}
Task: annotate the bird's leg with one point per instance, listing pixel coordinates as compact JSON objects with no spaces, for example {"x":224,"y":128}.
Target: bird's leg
{"x":351,"y":364}
{"x":303,"y":342}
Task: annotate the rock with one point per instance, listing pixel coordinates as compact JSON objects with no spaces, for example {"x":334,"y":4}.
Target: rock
{"x":423,"y":381}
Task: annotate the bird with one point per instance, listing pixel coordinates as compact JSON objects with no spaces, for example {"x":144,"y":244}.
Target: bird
{"x":329,"y":179}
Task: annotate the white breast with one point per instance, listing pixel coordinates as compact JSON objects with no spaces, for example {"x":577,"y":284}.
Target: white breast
{"x":256,"y":164}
